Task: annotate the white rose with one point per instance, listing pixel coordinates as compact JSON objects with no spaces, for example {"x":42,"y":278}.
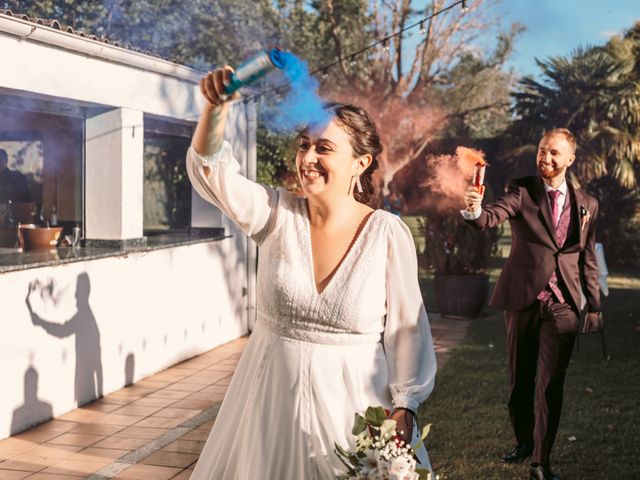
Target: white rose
{"x":403,"y":468}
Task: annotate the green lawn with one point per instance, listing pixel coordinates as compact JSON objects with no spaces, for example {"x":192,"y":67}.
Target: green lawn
{"x":418,"y":237}
{"x":600,"y":427}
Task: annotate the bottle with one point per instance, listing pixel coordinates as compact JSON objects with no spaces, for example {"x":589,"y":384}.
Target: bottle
{"x":255,"y":67}
{"x":6,"y":214}
{"x":10,"y":219}
{"x":54,"y":217}
{"x":76,"y":236}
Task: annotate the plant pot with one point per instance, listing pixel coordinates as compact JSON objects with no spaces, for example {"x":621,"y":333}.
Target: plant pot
{"x":461,"y":296}
{"x":38,"y":238}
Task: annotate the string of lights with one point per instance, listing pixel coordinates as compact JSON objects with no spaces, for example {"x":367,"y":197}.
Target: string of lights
{"x":351,"y":57}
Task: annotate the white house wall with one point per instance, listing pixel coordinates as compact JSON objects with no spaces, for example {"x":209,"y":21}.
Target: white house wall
{"x":53,"y":71}
{"x":156,"y":308}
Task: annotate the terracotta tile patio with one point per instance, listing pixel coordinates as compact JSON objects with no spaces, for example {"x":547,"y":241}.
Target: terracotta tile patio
{"x":153,"y":430}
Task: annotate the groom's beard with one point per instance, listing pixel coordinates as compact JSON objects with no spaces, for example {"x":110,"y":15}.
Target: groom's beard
{"x":548,"y":174}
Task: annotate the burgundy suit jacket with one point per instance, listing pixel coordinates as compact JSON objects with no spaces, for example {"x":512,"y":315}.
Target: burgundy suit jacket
{"x":535,"y":252}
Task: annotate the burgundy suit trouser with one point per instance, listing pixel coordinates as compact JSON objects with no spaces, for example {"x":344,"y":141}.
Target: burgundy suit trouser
{"x":540,"y":340}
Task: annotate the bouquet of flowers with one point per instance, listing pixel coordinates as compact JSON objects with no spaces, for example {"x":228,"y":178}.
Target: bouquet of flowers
{"x":380,"y":453}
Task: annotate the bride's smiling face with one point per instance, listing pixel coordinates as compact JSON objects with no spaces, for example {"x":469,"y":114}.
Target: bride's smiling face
{"x":325,"y":162}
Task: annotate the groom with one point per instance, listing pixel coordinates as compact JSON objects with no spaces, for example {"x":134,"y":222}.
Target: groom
{"x":552,"y":259}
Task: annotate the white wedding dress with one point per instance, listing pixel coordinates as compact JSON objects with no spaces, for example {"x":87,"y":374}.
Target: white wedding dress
{"x":313,"y":359}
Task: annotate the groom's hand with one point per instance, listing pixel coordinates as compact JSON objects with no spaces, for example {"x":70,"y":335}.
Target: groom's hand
{"x":592,"y":322}
{"x":473,"y":199}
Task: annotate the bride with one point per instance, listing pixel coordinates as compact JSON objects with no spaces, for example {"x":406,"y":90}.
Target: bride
{"x":341,"y":323}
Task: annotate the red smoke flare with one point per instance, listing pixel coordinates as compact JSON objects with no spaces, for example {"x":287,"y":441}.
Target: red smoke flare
{"x":449,"y":177}
{"x":475,"y":157}
{"x":471,"y":156}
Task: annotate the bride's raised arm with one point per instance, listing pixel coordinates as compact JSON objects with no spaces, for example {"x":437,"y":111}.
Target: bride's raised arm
{"x":215,"y":173}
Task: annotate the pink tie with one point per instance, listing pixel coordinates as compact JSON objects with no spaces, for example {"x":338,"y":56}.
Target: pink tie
{"x":553,"y":197}
{"x":552,"y":286}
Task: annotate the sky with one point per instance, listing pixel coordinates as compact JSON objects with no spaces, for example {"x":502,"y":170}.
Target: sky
{"x":556,"y":27}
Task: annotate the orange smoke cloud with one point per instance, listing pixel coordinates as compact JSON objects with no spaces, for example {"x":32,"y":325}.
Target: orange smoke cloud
{"x":470,"y":156}
{"x":405,"y":127}
{"x":450,"y":176}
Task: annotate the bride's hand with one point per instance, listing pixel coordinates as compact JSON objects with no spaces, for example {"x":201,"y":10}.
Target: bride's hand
{"x":404,"y":424}
{"x":212,"y":87}
{"x":209,"y":134}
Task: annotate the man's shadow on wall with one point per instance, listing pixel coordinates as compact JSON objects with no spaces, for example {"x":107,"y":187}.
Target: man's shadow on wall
{"x":88,"y":375}
{"x":33,"y":410}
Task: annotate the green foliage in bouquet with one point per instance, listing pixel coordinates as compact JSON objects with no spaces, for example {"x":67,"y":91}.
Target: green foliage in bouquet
{"x":379,"y":453}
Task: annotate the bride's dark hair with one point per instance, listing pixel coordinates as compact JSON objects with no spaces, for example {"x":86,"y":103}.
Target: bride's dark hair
{"x":364,"y":140}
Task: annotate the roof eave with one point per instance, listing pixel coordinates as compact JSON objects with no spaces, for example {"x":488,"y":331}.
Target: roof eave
{"x":33,"y":32}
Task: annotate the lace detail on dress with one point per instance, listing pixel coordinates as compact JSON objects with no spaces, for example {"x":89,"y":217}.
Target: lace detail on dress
{"x":288,"y":302}
{"x":224,"y":153}
{"x":319,"y":336}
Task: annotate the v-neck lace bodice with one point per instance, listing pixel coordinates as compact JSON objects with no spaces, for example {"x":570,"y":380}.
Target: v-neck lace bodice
{"x":289,"y":301}
{"x":359,"y":232}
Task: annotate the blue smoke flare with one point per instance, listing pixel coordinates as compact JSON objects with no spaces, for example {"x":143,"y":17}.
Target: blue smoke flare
{"x":302,"y":106}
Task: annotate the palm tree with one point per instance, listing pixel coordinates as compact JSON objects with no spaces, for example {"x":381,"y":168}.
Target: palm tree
{"x":592,"y":93}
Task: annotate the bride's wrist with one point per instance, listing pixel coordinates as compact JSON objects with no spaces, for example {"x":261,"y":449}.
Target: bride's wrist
{"x":405,"y":409}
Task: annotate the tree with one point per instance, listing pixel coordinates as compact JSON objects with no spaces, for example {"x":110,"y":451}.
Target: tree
{"x":80,"y":15}
{"x":418,"y":77}
{"x":199,"y":33}
{"x":591,"y":94}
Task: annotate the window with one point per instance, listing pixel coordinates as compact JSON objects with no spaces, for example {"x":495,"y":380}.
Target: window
{"x":167,"y":190}
{"x":24,"y":156}
{"x":45,"y":151}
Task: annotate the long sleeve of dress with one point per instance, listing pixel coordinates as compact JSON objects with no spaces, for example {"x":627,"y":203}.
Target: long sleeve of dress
{"x":250,"y":205}
{"x":408,"y":343}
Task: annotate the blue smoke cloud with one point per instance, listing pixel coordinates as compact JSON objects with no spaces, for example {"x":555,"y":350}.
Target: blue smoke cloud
{"x":302,"y":106}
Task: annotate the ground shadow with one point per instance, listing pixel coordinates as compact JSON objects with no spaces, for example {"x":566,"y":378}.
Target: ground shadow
{"x":88,"y":370}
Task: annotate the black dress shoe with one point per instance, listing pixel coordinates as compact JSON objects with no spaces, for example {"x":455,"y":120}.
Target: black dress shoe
{"x":518,"y":454}
{"x":541,"y":472}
